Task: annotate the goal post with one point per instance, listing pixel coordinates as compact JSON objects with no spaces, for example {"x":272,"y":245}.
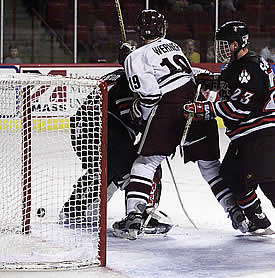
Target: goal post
{"x":53,"y":180}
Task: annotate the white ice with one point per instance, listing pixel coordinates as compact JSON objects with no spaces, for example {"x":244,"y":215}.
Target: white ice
{"x":214,"y":250}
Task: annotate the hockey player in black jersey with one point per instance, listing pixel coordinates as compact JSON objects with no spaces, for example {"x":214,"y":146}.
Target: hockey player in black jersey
{"x":247,"y":107}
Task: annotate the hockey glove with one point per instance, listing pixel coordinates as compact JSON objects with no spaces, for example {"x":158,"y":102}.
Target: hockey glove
{"x":125,"y":49}
{"x":209,"y":95}
{"x":209,"y":81}
{"x":200,"y":110}
{"x":136,"y":116}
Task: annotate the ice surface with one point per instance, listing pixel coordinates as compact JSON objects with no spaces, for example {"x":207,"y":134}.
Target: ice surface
{"x":213,"y":251}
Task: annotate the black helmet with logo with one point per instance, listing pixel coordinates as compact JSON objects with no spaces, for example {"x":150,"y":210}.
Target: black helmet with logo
{"x":229,"y":32}
{"x":151,"y":25}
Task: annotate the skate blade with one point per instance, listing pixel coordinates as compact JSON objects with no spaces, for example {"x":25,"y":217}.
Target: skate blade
{"x":131,"y":235}
{"x":263,"y":232}
{"x":157,"y":230}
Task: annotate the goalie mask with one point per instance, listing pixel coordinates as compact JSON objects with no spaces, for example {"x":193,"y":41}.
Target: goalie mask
{"x":151,"y":25}
{"x":229,"y":32}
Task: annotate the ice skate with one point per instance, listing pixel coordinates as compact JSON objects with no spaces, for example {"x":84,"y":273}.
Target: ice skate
{"x":239,"y":221}
{"x":259,"y":224}
{"x":258,"y":221}
{"x":129,"y":227}
{"x":159,"y":223}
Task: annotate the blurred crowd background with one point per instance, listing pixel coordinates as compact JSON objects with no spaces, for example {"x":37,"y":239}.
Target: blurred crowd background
{"x":42,"y":31}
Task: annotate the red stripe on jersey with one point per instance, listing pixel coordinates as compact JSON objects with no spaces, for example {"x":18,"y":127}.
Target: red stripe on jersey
{"x":231,"y":114}
{"x":258,"y":123}
{"x":125,"y":105}
{"x":246,"y":201}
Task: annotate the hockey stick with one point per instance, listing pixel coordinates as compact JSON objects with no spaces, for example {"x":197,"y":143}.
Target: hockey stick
{"x":120,"y":19}
{"x":179,"y":197}
{"x":188,"y":122}
{"x":150,"y":215}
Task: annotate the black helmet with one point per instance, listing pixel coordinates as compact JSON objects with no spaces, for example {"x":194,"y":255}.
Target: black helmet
{"x":151,"y":25}
{"x":229,"y":32}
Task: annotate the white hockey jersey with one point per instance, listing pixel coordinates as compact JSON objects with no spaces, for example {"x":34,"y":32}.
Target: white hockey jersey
{"x":155,"y":69}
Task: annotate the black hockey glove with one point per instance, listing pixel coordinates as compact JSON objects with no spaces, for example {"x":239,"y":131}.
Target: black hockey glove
{"x":125,"y":49}
{"x":208,"y":81}
{"x":136,"y":116}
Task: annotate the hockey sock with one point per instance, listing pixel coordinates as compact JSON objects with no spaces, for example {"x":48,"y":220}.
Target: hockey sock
{"x":210,"y":172}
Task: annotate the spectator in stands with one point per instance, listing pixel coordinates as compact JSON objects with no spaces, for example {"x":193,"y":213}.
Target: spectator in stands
{"x":210,"y":55}
{"x":268,"y":52}
{"x":13,"y":56}
{"x":190,"y":51}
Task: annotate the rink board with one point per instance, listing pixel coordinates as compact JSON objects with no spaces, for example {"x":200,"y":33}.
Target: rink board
{"x":75,"y":71}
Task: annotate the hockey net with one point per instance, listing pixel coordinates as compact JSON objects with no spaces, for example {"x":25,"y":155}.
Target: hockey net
{"x":40,"y":170}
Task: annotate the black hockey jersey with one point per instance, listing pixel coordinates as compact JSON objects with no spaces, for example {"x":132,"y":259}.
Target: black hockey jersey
{"x":249,"y":96}
{"x":120,"y":100}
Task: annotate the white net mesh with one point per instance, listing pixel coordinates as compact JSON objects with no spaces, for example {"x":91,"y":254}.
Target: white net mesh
{"x":51,"y":131}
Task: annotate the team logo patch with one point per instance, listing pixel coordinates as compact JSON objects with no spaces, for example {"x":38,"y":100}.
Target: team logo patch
{"x":244,"y":77}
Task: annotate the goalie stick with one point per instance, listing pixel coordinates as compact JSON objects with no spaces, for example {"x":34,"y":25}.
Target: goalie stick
{"x":120,"y":19}
{"x":188,"y":122}
{"x":150,"y":215}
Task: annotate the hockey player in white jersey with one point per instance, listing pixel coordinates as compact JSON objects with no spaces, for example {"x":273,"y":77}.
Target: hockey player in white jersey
{"x":161,"y":76}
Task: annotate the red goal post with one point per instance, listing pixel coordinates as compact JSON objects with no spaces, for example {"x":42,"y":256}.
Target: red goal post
{"x":40,"y":170}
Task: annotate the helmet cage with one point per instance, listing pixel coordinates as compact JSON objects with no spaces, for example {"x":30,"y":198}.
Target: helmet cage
{"x":229,"y":32}
{"x":223,"y":51}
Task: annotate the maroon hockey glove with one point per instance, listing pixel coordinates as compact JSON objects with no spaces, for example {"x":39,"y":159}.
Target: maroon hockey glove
{"x":201,"y":110}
